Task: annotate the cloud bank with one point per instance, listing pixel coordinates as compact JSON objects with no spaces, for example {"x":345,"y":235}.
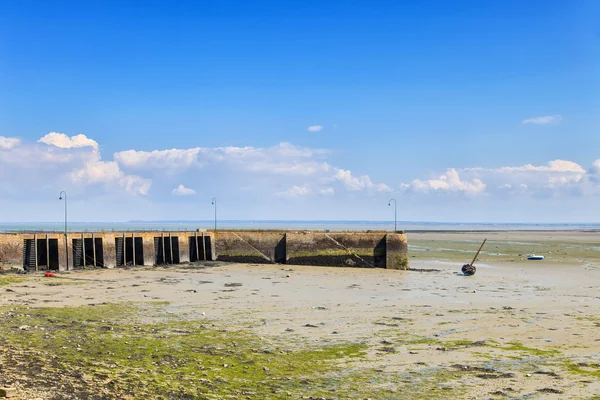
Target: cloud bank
{"x":278,"y":176}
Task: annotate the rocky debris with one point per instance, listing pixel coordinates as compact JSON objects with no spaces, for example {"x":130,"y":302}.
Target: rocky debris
{"x":496,"y":376}
{"x":550,"y":390}
{"x":478,"y":343}
{"x":465,"y":367}
{"x":387,"y":349}
{"x":549,"y":373}
{"x":233,"y":284}
{"x":310,"y":326}
{"x":424,"y":270}
{"x":8,"y":392}
{"x":9,"y":290}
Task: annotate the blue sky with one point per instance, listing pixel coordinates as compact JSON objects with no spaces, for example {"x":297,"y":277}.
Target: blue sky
{"x":462,"y":111}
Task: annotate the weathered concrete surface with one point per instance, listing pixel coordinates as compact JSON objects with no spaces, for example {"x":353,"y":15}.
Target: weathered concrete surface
{"x":11,"y":251}
{"x":257,"y":247}
{"x":396,"y":246}
{"x":355,"y":249}
{"x":351,"y":249}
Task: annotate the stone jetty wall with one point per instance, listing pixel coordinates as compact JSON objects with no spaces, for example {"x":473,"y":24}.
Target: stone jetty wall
{"x":43,"y":251}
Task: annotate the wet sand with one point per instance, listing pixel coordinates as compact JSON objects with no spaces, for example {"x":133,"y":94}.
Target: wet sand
{"x":521,"y":329}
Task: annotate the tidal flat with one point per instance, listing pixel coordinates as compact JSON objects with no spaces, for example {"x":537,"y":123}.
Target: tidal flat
{"x":516,"y":329}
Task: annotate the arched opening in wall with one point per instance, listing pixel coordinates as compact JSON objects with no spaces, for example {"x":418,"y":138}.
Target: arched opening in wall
{"x":166,"y":250}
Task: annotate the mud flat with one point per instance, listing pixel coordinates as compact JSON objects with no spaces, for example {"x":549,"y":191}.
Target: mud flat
{"x":516,"y":329}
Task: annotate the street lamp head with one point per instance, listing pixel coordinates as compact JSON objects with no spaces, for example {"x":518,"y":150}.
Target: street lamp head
{"x":60,"y":198}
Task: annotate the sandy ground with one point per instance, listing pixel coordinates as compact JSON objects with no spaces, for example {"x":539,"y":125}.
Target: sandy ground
{"x":536,"y":323}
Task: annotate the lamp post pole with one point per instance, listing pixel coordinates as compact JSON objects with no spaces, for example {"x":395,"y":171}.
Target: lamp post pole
{"x":66,"y":241}
{"x":214,"y":202}
{"x":395,"y":210}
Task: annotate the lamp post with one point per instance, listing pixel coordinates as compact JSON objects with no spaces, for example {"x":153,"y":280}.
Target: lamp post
{"x":395,"y":210}
{"x":66,"y":244}
{"x":214,"y":202}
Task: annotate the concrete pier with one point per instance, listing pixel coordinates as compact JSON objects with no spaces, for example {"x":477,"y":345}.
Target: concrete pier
{"x":47,"y":251}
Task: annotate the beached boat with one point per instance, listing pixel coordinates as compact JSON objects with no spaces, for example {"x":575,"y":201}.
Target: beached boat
{"x":534,"y":257}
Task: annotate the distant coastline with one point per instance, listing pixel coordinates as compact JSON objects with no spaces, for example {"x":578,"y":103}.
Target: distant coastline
{"x":182,"y":225}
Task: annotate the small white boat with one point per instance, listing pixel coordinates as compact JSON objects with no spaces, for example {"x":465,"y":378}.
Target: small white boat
{"x":534,"y":257}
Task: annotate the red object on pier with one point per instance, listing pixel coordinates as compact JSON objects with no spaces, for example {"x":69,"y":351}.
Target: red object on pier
{"x":50,"y":274}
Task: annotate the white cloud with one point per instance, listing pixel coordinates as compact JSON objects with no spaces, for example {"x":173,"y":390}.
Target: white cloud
{"x":182,"y":191}
{"x":109,"y":173}
{"x":595,"y":168}
{"x":65,"y":142}
{"x":172,"y":159}
{"x":7,"y":143}
{"x":358,"y":183}
{"x":97,"y":172}
{"x":449,"y":182}
{"x":295,"y":191}
{"x":135,"y":184}
{"x":545,"y":120}
{"x":58,"y":158}
{"x":553,"y":166}
{"x":327,"y":191}
{"x":315,"y":128}
{"x":284,"y":159}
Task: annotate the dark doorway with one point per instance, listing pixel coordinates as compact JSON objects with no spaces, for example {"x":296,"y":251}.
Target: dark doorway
{"x":196,"y":248}
{"x":42,"y":254}
{"x":379,"y":254}
{"x":208,"y":248}
{"x":119,"y":252}
{"x":99,"y":252}
{"x":45,"y":254}
{"x":77,"y":253}
{"x":83,"y":256}
{"x":280,"y":251}
{"x":53,"y":254}
{"x":29,"y":254}
{"x":125,"y":251}
{"x":166,"y":250}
